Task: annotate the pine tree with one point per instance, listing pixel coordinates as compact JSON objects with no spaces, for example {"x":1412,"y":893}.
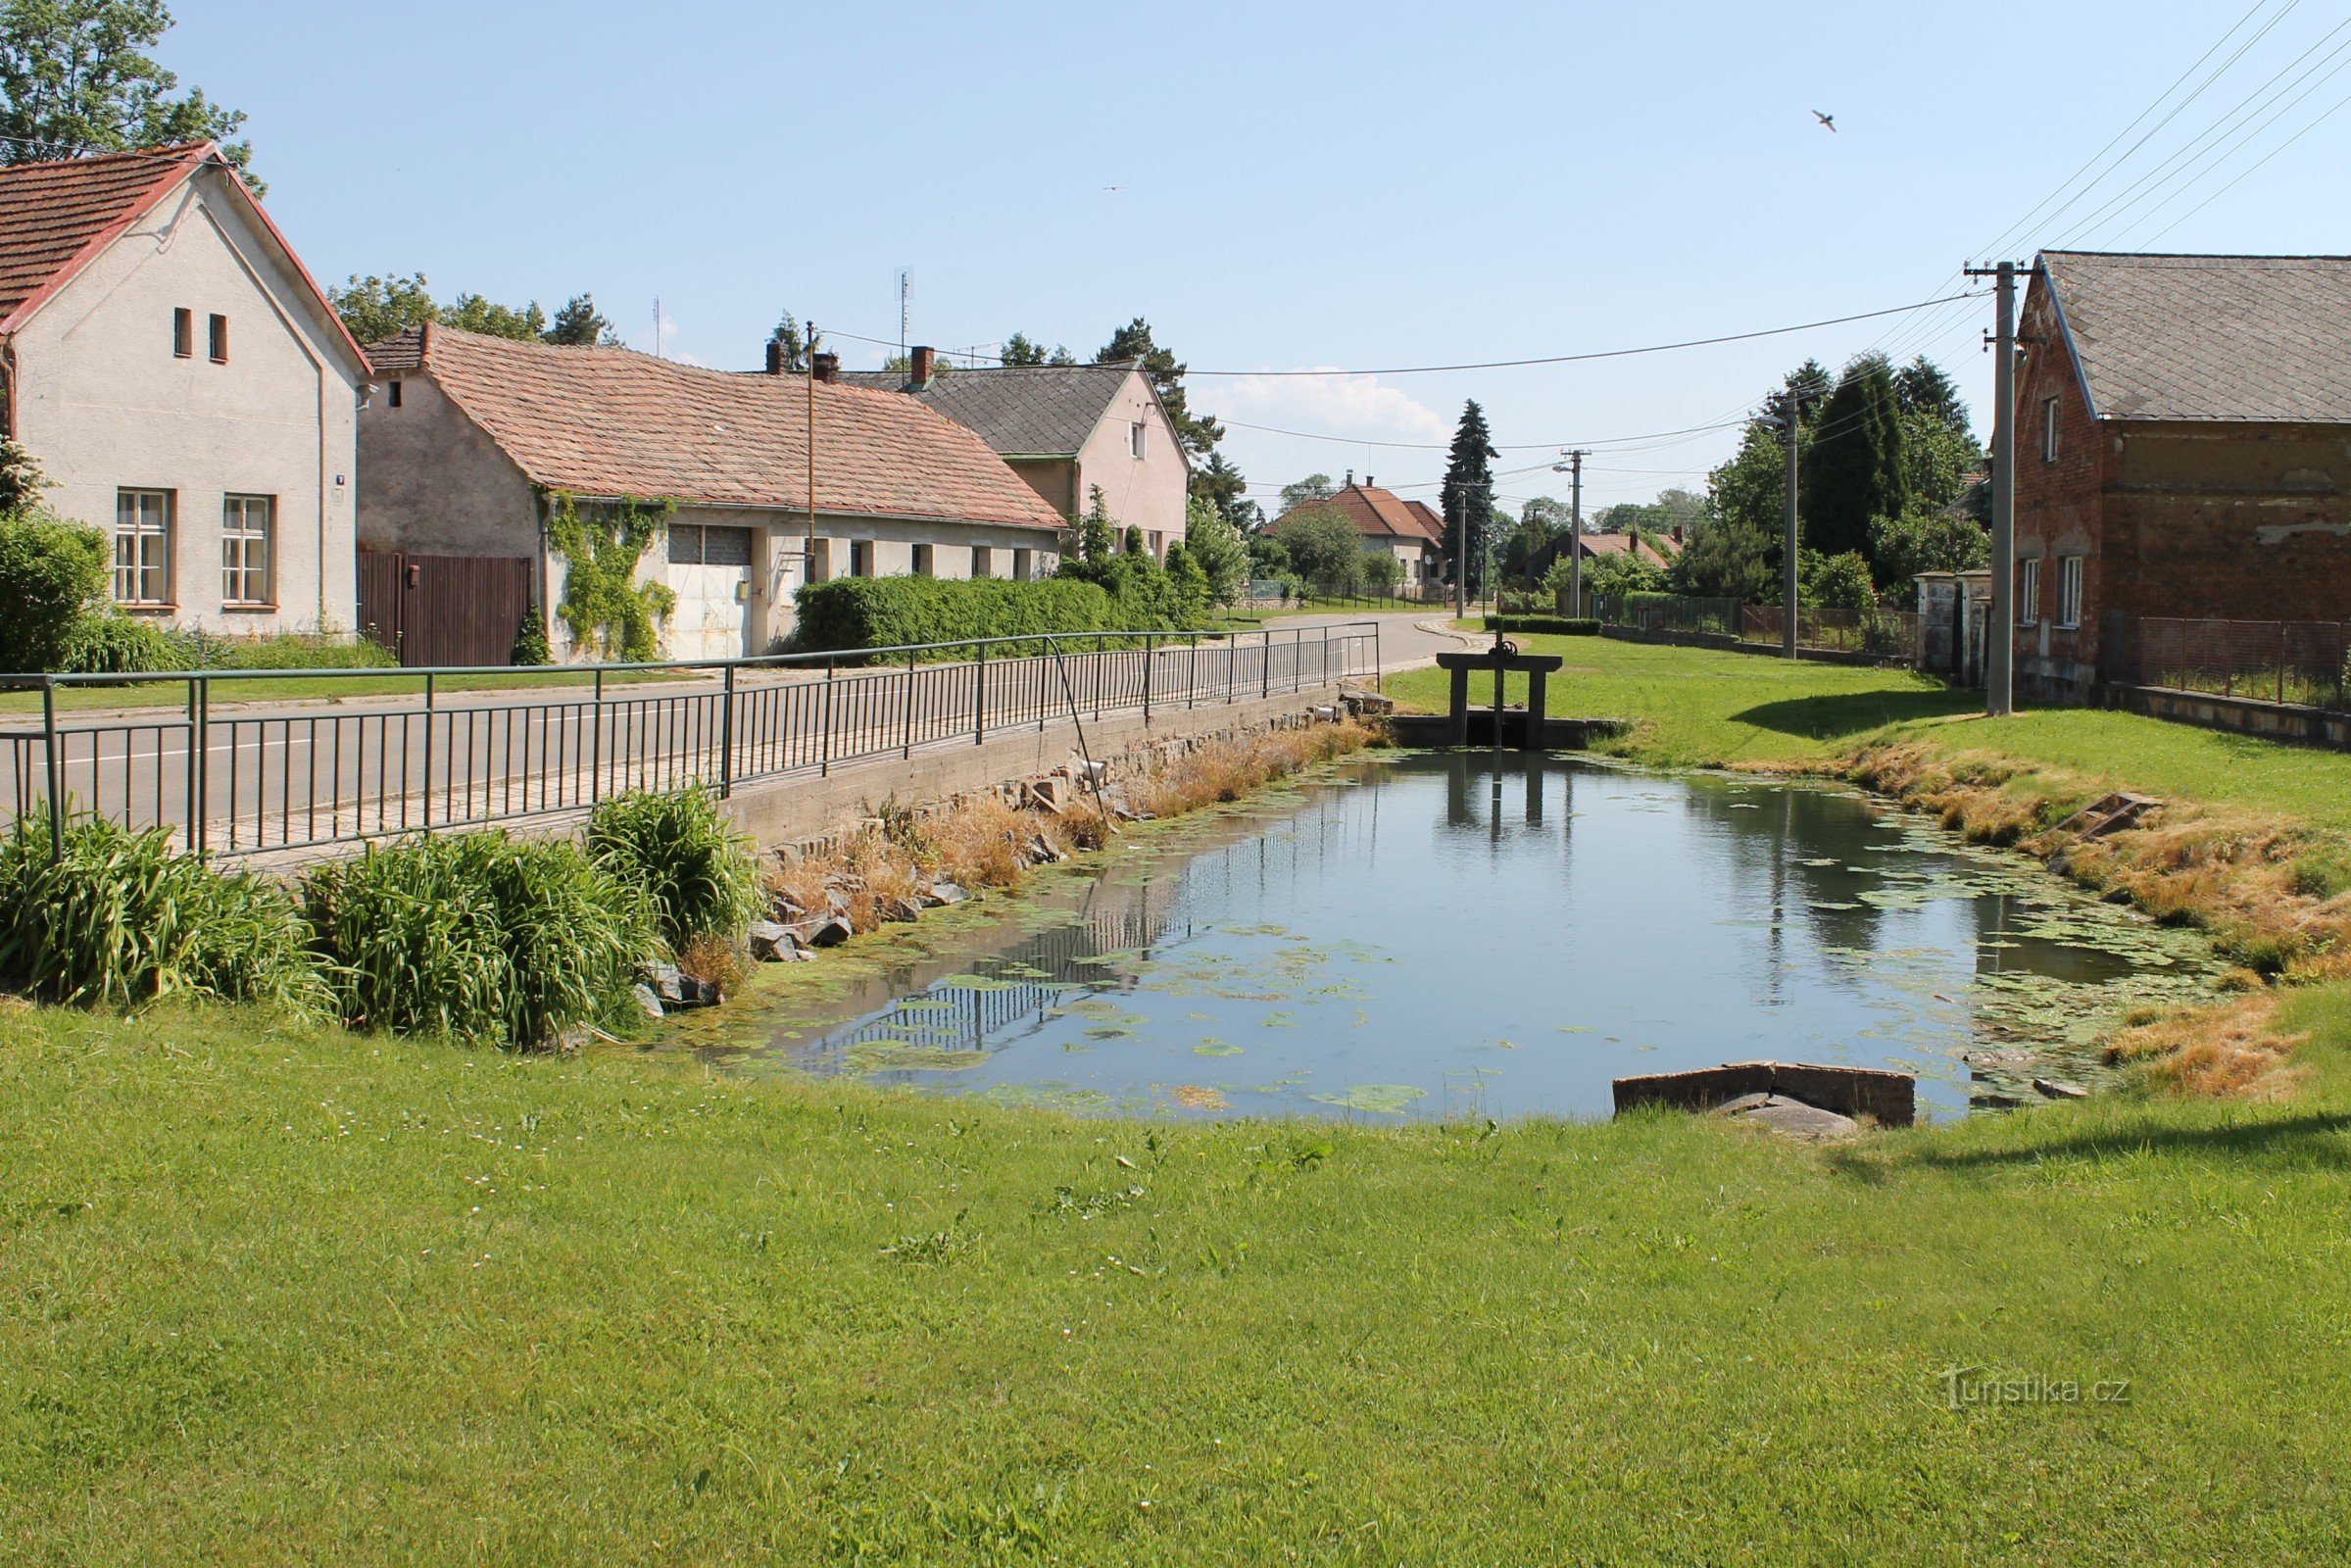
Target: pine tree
{"x":580,"y":325}
{"x":1468,"y":493}
{"x":1133,"y":343}
{"x":797,"y":348}
{"x":1853,"y":467}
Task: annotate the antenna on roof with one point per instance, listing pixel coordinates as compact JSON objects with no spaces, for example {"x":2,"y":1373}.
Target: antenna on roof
{"x":906,"y":292}
{"x":657,"y":326}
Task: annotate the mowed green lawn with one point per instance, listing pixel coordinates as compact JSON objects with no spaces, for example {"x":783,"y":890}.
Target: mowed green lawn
{"x":1697,"y":707}
{"x":271,"y":1294}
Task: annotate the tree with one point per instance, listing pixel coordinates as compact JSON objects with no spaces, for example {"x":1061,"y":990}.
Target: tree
{"x":1468,"y":494}
{"x":580,"y":325}
{"x":1527,"y":539}
{"x":378,"y":308}
{"x":1221,"y":485}
{"x":1923,"y":539}
{"x":52,"y":572}
{"x":1840,"y":581}
{"x":1216,"y":544}
{"x":1626,"y":573}
{"x":797,"y":348}
{"x":1197,"y":433}
{"x":1551,"y":514}
{"x":1022,"y":351}
{"x":1306,"y":492}
{"x":21,"y":480}
{"x":1323,"y":545}
{"x":473,"y":312}
{"x":1854,"y":469}
{"x":76,"y":77}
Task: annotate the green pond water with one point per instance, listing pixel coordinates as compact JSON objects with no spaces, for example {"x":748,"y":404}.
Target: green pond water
{"x":1449,"y":935}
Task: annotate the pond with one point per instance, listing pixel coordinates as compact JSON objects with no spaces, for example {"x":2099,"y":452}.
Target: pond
{"x":1495,"y":935}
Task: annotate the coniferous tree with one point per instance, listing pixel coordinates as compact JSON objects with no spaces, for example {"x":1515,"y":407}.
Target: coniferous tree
{"x":580,"y":325}
{"x":797,"y":345}
{"x":1853,"y":468}
{"x":1133,"y":342}
{"x":1466,"y":502}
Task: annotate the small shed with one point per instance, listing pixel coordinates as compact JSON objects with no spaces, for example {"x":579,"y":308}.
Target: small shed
{"x":1954,"y":623}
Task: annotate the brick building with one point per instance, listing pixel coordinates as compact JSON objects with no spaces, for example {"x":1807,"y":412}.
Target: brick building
{"x":2183,"y":450}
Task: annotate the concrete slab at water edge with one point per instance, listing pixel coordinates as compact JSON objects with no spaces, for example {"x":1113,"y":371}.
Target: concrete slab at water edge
{"x":1886,"y":1098}
{"x":1789,"y":1118}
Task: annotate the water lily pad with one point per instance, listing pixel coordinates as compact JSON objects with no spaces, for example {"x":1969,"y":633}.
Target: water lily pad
{"x":1215,"y":1047}
{"x":1387,"y":1099}
{"x":886,"y":1054}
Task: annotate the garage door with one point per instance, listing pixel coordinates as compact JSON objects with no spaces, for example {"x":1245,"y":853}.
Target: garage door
{"x":709,"y":571}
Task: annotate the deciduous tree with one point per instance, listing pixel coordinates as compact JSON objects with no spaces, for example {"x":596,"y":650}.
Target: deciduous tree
{"x":79,"y":76}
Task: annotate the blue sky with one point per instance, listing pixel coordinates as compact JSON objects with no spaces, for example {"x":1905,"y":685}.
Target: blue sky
{"x":1298,"y":186}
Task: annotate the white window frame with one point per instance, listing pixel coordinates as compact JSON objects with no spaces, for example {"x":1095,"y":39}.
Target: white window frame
{"x":2027,"y":591}
{"x":2049,"y":429}
{"x":248,"y":552}
{"x":1138,"y":439}
{"x":2072,"y":572}
{"x":144,"y":545}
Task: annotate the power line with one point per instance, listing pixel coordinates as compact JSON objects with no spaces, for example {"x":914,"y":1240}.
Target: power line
{"x":1447,"y":446}
{"x":2232,"y":184}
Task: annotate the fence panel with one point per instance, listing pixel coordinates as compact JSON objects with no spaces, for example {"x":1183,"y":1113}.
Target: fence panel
{"x":2303,"y":663}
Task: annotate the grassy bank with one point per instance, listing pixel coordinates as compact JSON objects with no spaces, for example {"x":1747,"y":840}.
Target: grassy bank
{"x":278,"y":1295}
{"x":274,"y":1293}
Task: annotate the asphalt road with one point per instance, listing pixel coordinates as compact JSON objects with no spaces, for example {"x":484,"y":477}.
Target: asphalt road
{"x":289,"y":775}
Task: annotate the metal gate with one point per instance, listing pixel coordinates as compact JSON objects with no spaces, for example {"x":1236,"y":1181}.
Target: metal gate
{"x":440,"y":611}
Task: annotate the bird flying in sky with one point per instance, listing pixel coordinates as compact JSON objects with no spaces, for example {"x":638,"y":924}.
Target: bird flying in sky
{"x":1829,"y":121}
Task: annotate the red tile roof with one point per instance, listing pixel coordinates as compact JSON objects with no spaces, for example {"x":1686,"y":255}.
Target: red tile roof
{"x":1379,"y":514}
{"x":608,"y":422}
{"x":1430,"y":522}
{"x":57,"y":218}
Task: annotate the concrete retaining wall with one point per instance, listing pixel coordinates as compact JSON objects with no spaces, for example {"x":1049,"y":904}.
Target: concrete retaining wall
{"x":2243,"y":716}
{"x":807,"y":807}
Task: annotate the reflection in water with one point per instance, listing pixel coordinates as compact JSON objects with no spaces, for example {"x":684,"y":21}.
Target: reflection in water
{"x":1502,"y":934}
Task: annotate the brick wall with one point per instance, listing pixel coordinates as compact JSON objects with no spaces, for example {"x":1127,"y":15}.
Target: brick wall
{"x":2236,"y":521}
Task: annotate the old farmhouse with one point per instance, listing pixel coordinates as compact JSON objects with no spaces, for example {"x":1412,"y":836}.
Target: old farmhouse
{"x":184,"y":386}
{"x":474,"y":442}
{"x":2183,"y":453}
{"x":1069,"y":430}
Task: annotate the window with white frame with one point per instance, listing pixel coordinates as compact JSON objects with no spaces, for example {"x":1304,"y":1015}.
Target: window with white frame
{"x":1138,"y":437}
{"x":2069,"y":589}
{"x":143,"y":547}
{"x":2028,"y":591}
{"x":2048,"y":431}
{"x":248,"y":536}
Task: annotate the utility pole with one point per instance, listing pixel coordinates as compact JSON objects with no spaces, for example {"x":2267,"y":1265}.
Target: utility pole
{"x":807,"y":564}
{"x":1791,"y":407}
{"x":1574,"y":534}
{"x":1999,"y":662}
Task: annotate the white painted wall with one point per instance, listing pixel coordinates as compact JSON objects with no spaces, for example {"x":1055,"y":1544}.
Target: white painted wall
{"x":1147,"y":493}
{"x":102,"y":402}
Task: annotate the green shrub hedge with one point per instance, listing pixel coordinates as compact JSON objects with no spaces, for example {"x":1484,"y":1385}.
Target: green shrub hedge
{"x":851,"y":612}
{"x":1547,"y":625}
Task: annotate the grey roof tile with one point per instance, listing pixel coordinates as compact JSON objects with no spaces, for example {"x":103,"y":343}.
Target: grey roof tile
{"x":2210,"y":337}
{"x":1025,"y":411}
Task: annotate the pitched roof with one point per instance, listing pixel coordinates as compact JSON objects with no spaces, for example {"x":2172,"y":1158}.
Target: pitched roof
{"x":57,"y":218}
{"x":1040,"y":410}
{"x":1379,"y":514}
{"x":609,"y":422}
{"x":1430,"y":522}
{"x":2207,"y":337}
{"x":1654,"y":549}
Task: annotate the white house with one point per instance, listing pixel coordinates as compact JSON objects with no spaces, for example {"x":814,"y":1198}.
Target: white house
{"x":473,"y":440}
{"x":184,"y":385}
{"x":1068,"y":431}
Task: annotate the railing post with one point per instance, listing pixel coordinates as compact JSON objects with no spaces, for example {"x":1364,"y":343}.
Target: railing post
{"x":726,"y":736}
{"x":1148,"y":661}
{"x":56,"y":769}
{"x":427,"y":811}
{"x":596,"y":741}
{"x":195,"y":743}
{"x":200,"y":741}
{"x":1264,"y":664}
{"x":1379,"y":671}
{"x":1191,"y":674}
{"x":910,"y":731}
{"x":1100,"y":662}
{"x":824,"y":734}
{"x":979,"y":698}
{"x":1326,"y":656}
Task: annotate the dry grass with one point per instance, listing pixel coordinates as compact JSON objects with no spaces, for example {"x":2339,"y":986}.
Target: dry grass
{"x":713,"y":958}
{"x":2234,"y":1049}
{"x":981,"y":842}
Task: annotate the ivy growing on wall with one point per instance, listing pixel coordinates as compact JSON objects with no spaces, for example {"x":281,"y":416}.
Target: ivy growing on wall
{"x":604,"y":606}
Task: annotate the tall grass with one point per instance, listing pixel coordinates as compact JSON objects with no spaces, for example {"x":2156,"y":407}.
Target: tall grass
{"x":478,"y":935}
{"x":684,"y":856}
{"x":118,"y":919}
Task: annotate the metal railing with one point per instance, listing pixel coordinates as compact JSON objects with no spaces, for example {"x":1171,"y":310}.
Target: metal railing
{"x":1652,"y":611}
{"x":2303,"y":663}
{"x":351,"y":759}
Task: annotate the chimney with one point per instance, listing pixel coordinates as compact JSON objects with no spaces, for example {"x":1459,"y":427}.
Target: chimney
{"x":775,"y":358}
{"x":1677,"y":536}
{"x":925,"y":359}
{"x":1369,"y":481}
{"x":828,"y":366}
{"x":1351,"y":478}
